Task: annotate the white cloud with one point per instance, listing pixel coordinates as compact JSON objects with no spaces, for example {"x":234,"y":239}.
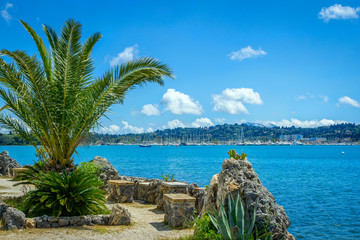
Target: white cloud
{"x":232,"y":100}
{"x":176,"y":123}
{"x":220,"y":120}
{"x":150,"y":110}
{"x":179,"y":103}
{"x":128,"y":54}
{"x":247,"y":52}
{"x":202,"y":122}
{"x":112,"y":129}
{"x":150,"y":130}
{"x":303,"y":124}
{"x":325,"y":99}
{"x":5,"y":14}
{"x":337,"y":11}
{"x":127,"y":128}
{"x":321,"y":98}
{"x":349,"y":101}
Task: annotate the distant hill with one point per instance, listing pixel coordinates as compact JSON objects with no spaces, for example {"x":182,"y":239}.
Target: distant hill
{"x":234,"y":132}
{"x":217,"y":134}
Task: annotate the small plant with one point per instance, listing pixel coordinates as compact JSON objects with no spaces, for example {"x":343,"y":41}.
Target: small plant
{"x":237,"y":224}
{"x":206,"y":187}
{"x":233,"y":154}
{"x":66,"y":194}
{"x":168,"y":177}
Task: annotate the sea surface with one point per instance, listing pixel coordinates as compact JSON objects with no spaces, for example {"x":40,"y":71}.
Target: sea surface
{"x":318,"y":186}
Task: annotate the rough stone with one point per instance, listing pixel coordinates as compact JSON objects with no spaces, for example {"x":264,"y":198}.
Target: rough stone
{"x":108,"y":170}
{"x":7,"y":164}
{"x":63,"y":221}
{"x":30,"y":223}
{"x":121,"y":191}
{"x":179,"y":209}
{"x":11,"y":218}
{"x":199,"y":193}
{"x":169,"y":187}
{"x":119,"y":216}
{"x":238,"y":176}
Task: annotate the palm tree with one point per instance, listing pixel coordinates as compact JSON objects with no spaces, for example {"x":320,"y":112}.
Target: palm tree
{"x":55,"y":97}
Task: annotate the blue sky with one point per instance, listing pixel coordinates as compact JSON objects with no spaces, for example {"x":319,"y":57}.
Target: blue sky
{"x":280,"y":62}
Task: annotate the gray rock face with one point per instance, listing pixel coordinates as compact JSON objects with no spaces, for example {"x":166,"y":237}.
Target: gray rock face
{"x":108,"y":170}
{"x":119,"y":216}
{"x":238,"y":176}
{"x":7,"y":163}
{"x":11,"y":218}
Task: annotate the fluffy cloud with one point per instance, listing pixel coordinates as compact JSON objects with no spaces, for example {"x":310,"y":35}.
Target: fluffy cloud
{"x":5,"y":14}
{"x":349,"y":101}
{"x":176,"y":123}
{"x":179,"y":103}
{"x":126,"y":128}
{"x":112,"y":129}
{"x":128,"y":54}
{"x":202,"y":122}
{"x":337,"y":11}
{"x":247,"y":52}
{"x":220,"y":120}
{"x":150,"y":130}
{"x":232,"y":100}
{"x":150,"y":110}
{"x":303,"y":124}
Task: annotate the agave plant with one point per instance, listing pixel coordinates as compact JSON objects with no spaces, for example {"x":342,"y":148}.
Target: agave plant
{"x":237,"y":224}
{"x":55,"y":97}
{"x":66,"y":194}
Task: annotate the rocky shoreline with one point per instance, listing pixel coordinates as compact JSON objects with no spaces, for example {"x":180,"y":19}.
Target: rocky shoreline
{"x":236,"y":177}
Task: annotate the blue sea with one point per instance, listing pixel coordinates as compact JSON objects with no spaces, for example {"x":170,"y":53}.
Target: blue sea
{"x":318,"y":186}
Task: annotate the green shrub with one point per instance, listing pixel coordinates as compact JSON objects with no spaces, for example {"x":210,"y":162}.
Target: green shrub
{"x":204,"y":230}
{"x":66,"y":194}
{"x":233,"y":154}
{"x":90,"y":168}
{"x":168,"y":177}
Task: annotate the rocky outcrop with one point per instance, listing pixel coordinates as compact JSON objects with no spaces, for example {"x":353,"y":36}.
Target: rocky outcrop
{"x":108,"y":170}
{"x":119,"y":216}
{"x":7,"y":164}
{"x":238,"y":176}
{"x":11,"y":218}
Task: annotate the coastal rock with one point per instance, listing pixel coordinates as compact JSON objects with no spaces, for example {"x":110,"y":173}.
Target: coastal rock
{"x":238,"y":176}
{"x":108,"y":170}
{"x":11,"y":218}
{"x":7,"y":164}
{"x":30,"y":223}
{"x":199,"y":193}
{"x":119,"y":216}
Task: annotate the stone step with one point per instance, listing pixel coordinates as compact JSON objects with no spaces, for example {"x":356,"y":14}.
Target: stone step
{"x":120,"y":182}
{"x":179,"y":197}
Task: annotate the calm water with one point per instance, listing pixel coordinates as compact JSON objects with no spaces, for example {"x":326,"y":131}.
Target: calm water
{"x":318,"y":186}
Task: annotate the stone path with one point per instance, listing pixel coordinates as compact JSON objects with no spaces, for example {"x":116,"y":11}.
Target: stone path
{"x":147,"y":223}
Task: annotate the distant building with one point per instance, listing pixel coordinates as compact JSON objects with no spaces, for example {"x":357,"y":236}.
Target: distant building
{"x":293,"y":137}
{"x":317,"y":139}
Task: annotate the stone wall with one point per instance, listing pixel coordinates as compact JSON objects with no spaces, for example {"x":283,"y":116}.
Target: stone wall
{"x":12,"y":218}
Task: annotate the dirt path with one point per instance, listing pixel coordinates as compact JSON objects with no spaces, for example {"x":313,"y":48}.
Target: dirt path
{"x":147,"y":223}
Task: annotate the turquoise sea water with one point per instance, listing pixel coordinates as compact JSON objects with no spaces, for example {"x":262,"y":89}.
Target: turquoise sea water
{"x":318,"y":186}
